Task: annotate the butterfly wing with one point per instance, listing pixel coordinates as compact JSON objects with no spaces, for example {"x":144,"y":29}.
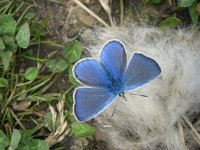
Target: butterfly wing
{"x":90,"y":73}
{"x":141,"y":70}
{"x":89,"y":102}
{"x":113,"y":57}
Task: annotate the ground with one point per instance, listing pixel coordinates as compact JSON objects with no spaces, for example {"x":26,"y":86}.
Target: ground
{"x":67,"y":21}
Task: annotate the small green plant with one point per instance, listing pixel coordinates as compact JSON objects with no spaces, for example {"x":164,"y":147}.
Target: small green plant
{"x":23,"y":90}
{"x":191,"y":5}
{"x":169,"y":22}
{"x":71,"y":53}
{"x":21,"y":140}
{"x":173,"y":21}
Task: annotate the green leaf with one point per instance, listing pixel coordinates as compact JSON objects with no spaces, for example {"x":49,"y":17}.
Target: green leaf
{"x":31,"y":73}
{"x":6,"y":58}
{"x":7,"y":25}
{"x":3,"y":82}
{"x":30,"y":15}
{"x":23,"y":93}
{"x":71,"y":76}
{"x":25,"y":137}
{"x":80,"y":129}
{"x":48,"y":119}
{"x":46,"y":97}
{"x":27,"y":143}
{"x":9,"y":43}
{"x":2,"y":46}
{"x":4,"y":140}
{"x":15,"y":138}
{"x":156,"y":1}
{"x":57,"y":65}
{"x":10,"y":148}
{"x":40,"y":30}
{"x":36,"y":144}
{"x":1,"y":96}
{"x":2,"y":148}
{"x":69,"y":103}
{"x":169,"y":23}
{"x":186,"y":3}
{"x":9,"y":117}
{"x":23,"y":36}
{"x":72,"y":51}
{"x":193,"y":12}
{"x":52,"y":124}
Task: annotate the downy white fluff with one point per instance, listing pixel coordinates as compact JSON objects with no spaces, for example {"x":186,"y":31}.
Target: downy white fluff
{"x":151,"y":122}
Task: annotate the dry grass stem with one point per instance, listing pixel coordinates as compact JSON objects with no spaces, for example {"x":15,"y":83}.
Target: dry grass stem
{"x":91,"y":13}
{"x":59,"y":133}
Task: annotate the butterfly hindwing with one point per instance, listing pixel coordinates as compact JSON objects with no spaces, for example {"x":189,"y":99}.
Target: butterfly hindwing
{"x":90,"y":73}
{"x":113,"y":57}
{"x":141,"y":69}
{"x":89,"y":102}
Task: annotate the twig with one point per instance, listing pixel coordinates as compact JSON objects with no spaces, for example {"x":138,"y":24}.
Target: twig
{"x":67,"y":91}
{"x":50,"y":84}
{"x":121,"y":12}
{"x":47,"y":42}
{"x":10,"y":97}
{"x":18,"y":121}
{"x":191,"y":126}
{"x":170,"y":2}
{"x":91,"y":13}
{"x":23,"y":14}
{"x":196,"y":138}
{"x":106,"y":7}
{"x":181,"y":134}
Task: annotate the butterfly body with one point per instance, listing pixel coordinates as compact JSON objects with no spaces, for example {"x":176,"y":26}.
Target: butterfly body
{"x":108,"y":77}
{"x":115,"y":86}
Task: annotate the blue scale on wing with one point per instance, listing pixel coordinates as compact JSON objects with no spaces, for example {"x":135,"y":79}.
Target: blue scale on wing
{"x":91,"y":101}
{"x":113,"y":57}
{"x":91,"y":73}
{"x":140,"y":71}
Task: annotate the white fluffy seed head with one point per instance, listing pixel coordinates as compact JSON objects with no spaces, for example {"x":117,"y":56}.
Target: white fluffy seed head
{"x":151,"y":122}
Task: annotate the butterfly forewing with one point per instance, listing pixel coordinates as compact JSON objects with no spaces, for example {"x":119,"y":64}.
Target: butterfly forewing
{"x":90,"y":73}
{"x":113,"y":57}
{"x":140,"y":71}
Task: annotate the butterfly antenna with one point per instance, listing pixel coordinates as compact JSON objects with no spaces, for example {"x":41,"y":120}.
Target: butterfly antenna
{"x":114,"y":109}
{"x":124,"y":97}
{"x":139,"y":95}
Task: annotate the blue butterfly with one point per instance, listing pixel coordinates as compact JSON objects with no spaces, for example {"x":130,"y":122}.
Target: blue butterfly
{"x":108,"y":77}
